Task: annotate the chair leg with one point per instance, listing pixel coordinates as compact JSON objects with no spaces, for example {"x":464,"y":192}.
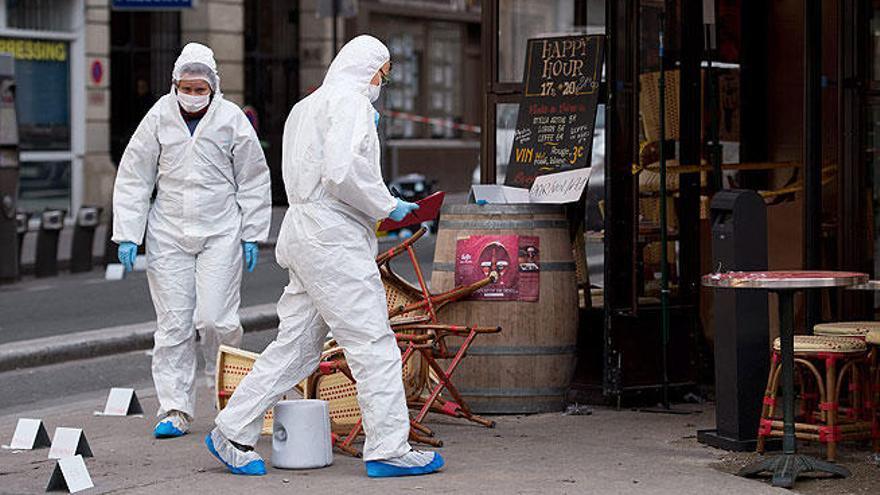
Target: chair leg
{"x":832,"y":400}
{"x":767,"y":406}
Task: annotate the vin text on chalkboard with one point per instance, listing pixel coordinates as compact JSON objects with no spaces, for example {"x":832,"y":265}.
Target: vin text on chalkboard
{"x":557,"y":115}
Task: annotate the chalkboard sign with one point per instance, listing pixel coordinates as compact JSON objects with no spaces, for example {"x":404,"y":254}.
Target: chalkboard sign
{"x":557,"y":115}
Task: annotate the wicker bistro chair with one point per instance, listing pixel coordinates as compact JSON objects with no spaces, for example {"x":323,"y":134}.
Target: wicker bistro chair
{"x":334,"y":383}
{"x":824,"y":364}
{"x":869,"y":331}
{"x":232,"y":366}
{"x":413,"y":310}
{"x":412,"y":313}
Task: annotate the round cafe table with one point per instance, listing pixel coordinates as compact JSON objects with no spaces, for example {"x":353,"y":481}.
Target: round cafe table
{"x":786,"y":467}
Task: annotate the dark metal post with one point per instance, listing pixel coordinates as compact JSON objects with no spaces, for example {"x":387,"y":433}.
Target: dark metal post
{"x":713,"y":101}
{"x":335,"y":10}
{"x":812,"y":147}
{"x":664,"y":227}
{"x":621,"y":117}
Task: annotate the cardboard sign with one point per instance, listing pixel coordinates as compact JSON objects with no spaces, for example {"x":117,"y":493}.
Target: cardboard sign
{"x":564,"y":187}
{"x":70,"y":475}
{"x":121,"y":402}
{"x":514,"y":259}
{"x":557,"y":114}
{"x":68,"y":442}
{"x":497,"y":194}
{"x":29,"y":434}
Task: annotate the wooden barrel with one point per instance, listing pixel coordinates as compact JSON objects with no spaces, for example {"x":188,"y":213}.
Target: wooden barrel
{"x":528,"y":366}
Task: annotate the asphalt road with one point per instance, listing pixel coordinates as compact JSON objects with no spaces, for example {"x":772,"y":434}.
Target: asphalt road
{"x":47,"y":386}
{"x":36,"y":308}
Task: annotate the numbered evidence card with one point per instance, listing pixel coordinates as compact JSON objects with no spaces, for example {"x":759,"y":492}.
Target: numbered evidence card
{"x":557,"y":115}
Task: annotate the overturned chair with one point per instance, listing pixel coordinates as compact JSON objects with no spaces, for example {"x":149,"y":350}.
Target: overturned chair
{"x":412,"y":312}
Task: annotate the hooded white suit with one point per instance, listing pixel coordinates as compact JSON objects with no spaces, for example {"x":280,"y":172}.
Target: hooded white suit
{"x":212,"y":194}
{"x":327,"y":242}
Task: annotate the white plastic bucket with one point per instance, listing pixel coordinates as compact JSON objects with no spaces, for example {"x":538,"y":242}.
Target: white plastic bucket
{"x":301,"y":435}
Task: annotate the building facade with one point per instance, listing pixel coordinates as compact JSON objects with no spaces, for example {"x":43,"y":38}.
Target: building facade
{"x":88,"y":70}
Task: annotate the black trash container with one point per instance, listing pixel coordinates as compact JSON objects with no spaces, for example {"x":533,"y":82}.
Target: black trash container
{"x":83,"y":239}
{"x":51,"y":223}
{"x":739,"y":242}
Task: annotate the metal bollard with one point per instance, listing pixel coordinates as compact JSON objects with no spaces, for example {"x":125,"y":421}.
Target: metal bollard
{"x":21,"y":227}
{"x":51,"y":223}
{"x":83,"y":239}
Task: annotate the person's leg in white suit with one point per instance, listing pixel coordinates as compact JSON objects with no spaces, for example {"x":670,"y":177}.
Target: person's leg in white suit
{"x":218,"y":297}
{"x":171,"y":275}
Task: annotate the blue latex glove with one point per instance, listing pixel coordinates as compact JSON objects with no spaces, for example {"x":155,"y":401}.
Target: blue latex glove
{"x":251,"y":253}
{"x":127,"y":254}
{"x":402,"y":209}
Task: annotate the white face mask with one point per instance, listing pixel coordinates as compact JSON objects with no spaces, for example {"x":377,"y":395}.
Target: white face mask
{"x":193,"y":103}
{"x":374,"y":92}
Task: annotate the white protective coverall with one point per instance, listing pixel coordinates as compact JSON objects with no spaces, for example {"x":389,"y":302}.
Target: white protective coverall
{"x":328,"y":244}
{"x":212,"y":194}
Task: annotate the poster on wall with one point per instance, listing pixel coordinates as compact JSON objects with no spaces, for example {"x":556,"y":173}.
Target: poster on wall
{"x":557,"y":113}
{"x":515,"y":259}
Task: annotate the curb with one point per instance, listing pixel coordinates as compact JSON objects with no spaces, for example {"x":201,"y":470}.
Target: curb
{"x":106,"y":341}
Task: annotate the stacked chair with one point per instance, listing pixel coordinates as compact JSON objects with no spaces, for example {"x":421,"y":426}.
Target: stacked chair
{"x":839,"y":387}
{"x":412,"y":312}
{"x":423,"y":339}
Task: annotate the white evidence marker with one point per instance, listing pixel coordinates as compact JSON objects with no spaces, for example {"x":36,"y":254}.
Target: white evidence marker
{"x":29,"y":434}
{"x":70,"y":475}
{"x":121,"y":402}
{"x":68,"y":442}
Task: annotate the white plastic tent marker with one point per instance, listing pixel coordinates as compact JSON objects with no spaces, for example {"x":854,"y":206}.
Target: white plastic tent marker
{"x":68,"y":442}
{"x":70,"y":475}
{"x":121,"y":402}
{"x":29,"y":434}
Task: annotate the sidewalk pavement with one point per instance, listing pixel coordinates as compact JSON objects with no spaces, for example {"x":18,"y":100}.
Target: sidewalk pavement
{"x":608,"y":452}
{"x":104,"y":341}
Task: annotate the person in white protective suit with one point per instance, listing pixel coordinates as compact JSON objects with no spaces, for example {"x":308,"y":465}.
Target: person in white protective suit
{"x":212,"y":203}
{"x":328,"y":244}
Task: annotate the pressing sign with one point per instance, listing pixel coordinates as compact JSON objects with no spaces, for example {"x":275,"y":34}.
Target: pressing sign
{"x":121,"y":402}
{"x":70,"y":475}
{"x":29,"y":434}
{"x":69,"y":442}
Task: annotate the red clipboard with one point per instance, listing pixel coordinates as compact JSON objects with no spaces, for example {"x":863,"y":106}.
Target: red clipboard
{"x":429,"y":209}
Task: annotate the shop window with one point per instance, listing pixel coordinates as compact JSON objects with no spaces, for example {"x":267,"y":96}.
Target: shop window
{"x":444,"y":85}
{"x":520,"y":20}
{"x":143,"y":48}
{"x":40,"y":15}
{"x":44,"y":184}
{"x":402,"y":94}
{"x":42,"y":73}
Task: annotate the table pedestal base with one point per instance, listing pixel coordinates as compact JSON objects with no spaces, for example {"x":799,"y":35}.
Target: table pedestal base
{"x":787,"y":467}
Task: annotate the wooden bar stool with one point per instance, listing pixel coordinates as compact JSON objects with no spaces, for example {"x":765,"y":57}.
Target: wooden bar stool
{"x":830,"y":361}
{"x":873,"y":340}
{"x":860,"y":330}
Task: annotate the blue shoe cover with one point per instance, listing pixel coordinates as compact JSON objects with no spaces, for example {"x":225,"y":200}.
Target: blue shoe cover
{"x":379,"y":469}
{"x":253,"y":468}
{"x":167,"y":430}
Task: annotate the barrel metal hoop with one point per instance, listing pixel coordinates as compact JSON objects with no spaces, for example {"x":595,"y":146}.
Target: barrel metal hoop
{"x":519,"y":350}
{"x":513,"y":392}
{"x":502,"y":224}
{"x":545,"y":266}
{"x":501,"y":209}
